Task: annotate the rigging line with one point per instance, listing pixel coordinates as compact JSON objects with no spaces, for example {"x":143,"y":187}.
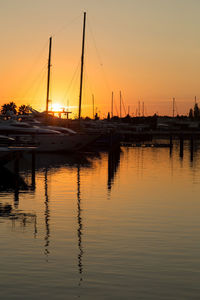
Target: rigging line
{"x":86,"y":87}
{"x":35,"y":61}
{"x":95,"y":44}
{"x":75,"y":87}
{"x":91,"y":87}
{"x":87,"y":80}
{"x":71,"y":81}
{"x":99,"y":57}
{"x":176,"y":108}
{"x":115,"y":109}
{"x":39,"y":86}
{"x":67,"y":25}
{"x":40,"y":53}
{"x":123,"y":105}
{"x":34,"y":81}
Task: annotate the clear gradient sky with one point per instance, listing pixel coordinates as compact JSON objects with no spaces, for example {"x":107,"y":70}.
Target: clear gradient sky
{"x":149,"y":49}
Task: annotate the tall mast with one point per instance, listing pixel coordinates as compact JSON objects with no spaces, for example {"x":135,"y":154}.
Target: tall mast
{"x":120,"y":104}
{"x":93,"y":105}
{"x":173,"y":109}
{"x":112,"y":105}
{"x":48,"y":75}
{"x":82,"y":63}
{"x":143,"y":108}
{"x":139,"y":108}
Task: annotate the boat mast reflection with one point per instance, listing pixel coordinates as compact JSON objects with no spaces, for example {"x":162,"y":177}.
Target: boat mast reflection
{"x":46,"y":217}
{"x":113,"y":164}
{"x":80,"y":226}
{"x":18,"y":182}
{"x":12,"y":182}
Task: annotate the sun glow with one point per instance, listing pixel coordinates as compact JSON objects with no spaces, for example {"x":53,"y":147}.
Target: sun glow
{"x":57,"y":107}
{"x":62,"y":111}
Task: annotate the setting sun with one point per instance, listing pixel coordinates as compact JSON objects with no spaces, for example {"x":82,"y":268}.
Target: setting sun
{"x":100,"y":149}
{"x":57,"y":107}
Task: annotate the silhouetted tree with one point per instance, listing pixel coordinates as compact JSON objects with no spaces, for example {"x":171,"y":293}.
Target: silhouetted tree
{"x":108,"y":117}
{"x":9,"y":108}
{"x":23,"y":110}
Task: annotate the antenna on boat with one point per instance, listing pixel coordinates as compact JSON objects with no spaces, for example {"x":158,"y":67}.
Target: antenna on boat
{"x":120,"y":104}
{"x":112,"y":100}
{"x":48,"y":75}
{"x":143,"y":108}
{"x":93,"y":106}
{"x":82,"y":63}
{"x":173,"y":108}
{"x":139,"y":108}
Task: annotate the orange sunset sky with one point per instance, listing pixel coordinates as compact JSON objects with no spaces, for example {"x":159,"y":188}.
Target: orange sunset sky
{"x":148,"y":49}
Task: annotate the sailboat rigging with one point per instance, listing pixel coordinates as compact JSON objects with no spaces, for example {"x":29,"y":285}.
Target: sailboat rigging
{"x":48,"y":75}
{"x":82,"y":64}
{"x":50,"y":138}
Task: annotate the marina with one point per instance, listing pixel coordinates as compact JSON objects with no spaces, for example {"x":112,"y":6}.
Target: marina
{"x":99,"y":150}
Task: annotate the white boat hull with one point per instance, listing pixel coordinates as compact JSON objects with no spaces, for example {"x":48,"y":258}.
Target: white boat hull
{"x":56,"y":142}
{"x":45,"y":139}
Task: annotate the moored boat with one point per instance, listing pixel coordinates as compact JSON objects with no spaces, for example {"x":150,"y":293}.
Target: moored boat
{"x":45,"y":139}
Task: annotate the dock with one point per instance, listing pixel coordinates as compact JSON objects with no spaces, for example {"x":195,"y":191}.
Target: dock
{"x":146,"y":145}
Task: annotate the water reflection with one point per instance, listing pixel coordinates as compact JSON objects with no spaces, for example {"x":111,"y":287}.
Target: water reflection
{"x":8,"y":212}
{"x":44,"y":163}
{"x":190,"y":146}
{"x":181,"y":147}
{"x":57,"y":161}
{"x":46,"y":217}
{"x":5,"y":210}
{"x":113,"y":164}
{"x":191,"y":149}
{"x":80,"y":226}
{"x":13,"y":182}
{"x":89,"y":236}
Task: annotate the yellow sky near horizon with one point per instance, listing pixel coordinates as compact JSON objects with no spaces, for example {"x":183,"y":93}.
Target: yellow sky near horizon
{"x":148,"y":49}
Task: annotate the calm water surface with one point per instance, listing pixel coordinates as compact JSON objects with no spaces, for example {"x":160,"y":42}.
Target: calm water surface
{"x":124,"y":225}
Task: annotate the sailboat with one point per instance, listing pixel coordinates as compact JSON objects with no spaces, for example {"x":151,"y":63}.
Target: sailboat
{"x":68,"y":141}
{"x":49,"y":138}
